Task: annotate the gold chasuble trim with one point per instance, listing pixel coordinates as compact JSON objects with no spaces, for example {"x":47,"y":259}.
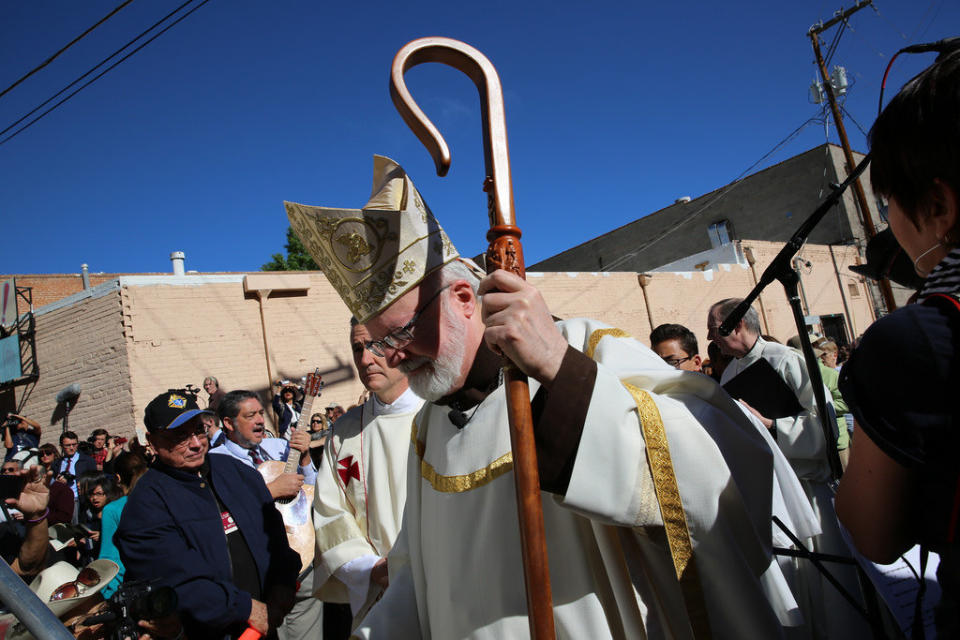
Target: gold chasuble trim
{"x":462,"y":483}
{"x":599,"y":335}
{"x":668,"y":495}
{"x":671,"y":509}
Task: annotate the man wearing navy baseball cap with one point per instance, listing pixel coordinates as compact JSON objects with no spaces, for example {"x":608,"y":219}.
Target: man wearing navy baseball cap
{"x":206,"y":526}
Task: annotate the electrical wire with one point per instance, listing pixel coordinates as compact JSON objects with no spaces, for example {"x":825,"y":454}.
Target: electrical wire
{"x":94,"y":68}
{"x":102,"y":73}
{"x":722,"y":192}
{"x":833,"y":45}
{"x":69,"y":44}
{"x":893,"y":25}
{"x":854,"y":121}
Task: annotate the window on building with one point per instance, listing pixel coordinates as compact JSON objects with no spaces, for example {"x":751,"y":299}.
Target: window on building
{"x":854,"y":289}
{"x":720,"y":233}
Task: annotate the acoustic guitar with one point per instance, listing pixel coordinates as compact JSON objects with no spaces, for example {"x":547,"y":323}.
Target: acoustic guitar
{"x":297,"y":511}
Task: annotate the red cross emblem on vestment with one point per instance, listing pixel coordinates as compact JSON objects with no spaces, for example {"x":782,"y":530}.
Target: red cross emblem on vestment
{"x":349,"y":469}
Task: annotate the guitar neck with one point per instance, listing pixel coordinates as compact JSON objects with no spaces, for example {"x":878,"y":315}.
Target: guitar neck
{"x":293,"y":458}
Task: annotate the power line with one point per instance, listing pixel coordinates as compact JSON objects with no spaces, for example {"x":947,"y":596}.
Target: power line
{"x":854,"y":121}
{"x":92,"y":69}
{"x":832,"y":49}
{"x":723,"y":192}
{"x":69,"y":44}
{"x":102,"y":73}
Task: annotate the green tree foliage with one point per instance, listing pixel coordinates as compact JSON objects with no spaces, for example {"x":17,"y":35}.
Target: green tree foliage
{"x":297,"y":257}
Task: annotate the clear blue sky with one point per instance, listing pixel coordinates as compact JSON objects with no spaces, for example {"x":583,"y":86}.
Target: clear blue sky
{"x":613,"y":111}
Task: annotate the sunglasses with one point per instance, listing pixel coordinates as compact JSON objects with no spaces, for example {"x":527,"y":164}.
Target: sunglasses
{"x":85,"y":579}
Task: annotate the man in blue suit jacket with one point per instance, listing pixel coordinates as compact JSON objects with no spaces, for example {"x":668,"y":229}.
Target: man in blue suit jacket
{"x":206,"y":526}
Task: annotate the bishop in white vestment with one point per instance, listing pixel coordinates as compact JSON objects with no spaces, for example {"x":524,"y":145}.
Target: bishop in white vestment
{"x":657,"y":489}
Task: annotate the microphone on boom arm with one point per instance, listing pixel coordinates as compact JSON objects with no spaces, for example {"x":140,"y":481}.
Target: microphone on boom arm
{"x":943,"y":47}
{"x":69,"y":394}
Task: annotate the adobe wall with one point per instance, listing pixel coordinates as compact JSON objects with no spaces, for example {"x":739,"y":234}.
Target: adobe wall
{"x":685,"y":298}
{"x":181,"y":334}
{"x":147,"y":334}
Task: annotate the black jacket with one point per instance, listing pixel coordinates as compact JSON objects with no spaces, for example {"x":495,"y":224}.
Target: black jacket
{"x":171,"y":531}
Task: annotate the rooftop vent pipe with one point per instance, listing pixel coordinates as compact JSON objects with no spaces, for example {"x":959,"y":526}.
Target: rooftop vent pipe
{"x":85,"y":274}
{"x":177,"y":258}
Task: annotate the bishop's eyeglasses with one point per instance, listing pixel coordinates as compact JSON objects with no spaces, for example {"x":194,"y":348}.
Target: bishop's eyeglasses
{"x":400,"y":338}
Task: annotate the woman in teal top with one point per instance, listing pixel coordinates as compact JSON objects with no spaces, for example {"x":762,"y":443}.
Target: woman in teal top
{"x":129,"y":466}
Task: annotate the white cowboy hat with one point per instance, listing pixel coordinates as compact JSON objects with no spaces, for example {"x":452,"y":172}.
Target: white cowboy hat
{"x":50,"y":580}
{"x":61,"y":573}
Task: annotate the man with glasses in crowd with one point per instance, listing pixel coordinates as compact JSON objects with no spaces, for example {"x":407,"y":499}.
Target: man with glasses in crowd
{"x":677,"y":346}
{"x":72,"y":464}
{"x":206,"y":526}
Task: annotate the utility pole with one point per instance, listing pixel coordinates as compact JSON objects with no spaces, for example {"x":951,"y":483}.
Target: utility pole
{"x":865,"y":219}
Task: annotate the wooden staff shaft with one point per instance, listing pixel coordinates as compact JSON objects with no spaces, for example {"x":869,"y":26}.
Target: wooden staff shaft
{"x":504,"y":252}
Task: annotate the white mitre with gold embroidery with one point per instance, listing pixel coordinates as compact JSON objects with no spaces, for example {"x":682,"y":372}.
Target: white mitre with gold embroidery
{"x":374,"y":255}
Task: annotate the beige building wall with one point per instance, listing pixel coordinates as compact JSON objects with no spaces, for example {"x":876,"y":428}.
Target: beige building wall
{"x":685,"y":298}
{"x":179,"y":334}
{"x":138,"y":336}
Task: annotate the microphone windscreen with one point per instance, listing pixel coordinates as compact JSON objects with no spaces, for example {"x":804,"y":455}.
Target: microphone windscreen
{"x":69,"y":394}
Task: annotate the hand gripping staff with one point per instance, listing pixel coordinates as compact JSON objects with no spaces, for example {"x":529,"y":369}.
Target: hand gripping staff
{"x":504,"y":252}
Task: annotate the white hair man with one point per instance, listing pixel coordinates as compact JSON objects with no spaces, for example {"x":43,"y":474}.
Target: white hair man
{"x":760,"y":365}
{"x":610,"y":518}
{"x":361,"y":487}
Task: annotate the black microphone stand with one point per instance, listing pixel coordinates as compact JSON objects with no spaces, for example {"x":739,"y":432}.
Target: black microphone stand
{"x":781,"y":269}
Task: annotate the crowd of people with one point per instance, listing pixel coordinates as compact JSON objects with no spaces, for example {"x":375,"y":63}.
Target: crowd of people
{"x":683,"y":496}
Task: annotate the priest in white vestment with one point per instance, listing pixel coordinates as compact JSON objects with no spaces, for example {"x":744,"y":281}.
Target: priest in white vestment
{"x":801,"y":439}
{"x":656,"y":487}
{"x":361,"y":487}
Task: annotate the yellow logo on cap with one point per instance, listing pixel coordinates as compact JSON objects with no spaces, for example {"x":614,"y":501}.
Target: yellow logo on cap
{"x":176,"y":402}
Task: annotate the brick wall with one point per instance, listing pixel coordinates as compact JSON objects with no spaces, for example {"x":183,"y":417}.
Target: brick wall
{"x":81,"y":343}
{"x":48,"y":288}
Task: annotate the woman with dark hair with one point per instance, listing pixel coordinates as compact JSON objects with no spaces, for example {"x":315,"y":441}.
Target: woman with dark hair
{"x":130,"y":467}
{"x":61,"y":497}
{"x":97,"y":490}
{"x":902,"y":486}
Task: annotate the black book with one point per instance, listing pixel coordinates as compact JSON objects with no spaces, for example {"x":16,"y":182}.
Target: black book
{"x":760,"y":386}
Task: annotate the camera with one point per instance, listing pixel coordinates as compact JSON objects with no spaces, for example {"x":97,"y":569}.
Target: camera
{"x":11,"y":422}
{"x":135,"y":601}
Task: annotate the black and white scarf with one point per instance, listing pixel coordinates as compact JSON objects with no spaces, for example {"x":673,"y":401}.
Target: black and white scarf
{"x":945,"y":277}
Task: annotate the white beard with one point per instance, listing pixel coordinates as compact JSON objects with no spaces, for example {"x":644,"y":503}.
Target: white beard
{"x":434,"y":379}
